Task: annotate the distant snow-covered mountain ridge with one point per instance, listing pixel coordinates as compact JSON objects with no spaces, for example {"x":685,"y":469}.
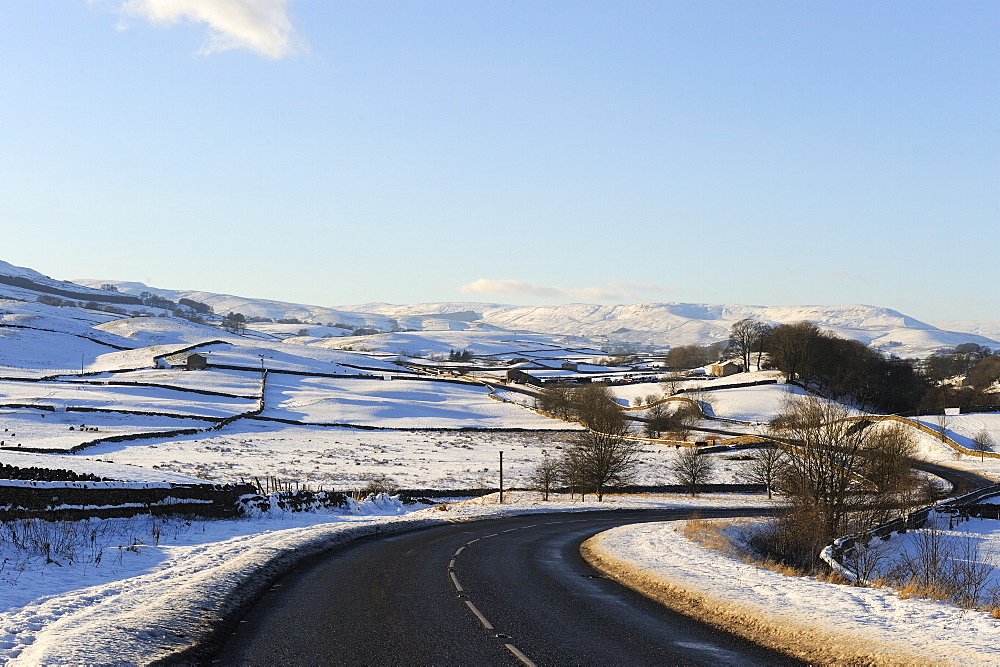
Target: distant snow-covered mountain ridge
{"x":672,"y":324}
{"x":653,"y":325}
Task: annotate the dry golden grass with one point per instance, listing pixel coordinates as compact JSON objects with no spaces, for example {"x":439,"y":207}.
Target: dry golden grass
{"x":780,"y":568}
{"x":709,"y":534}
{"x":912,"y":589}
{"x":835,"y":578}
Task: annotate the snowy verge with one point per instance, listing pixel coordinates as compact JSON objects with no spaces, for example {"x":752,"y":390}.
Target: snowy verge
{"x":171,"y":611}
{"x":816,"y":621}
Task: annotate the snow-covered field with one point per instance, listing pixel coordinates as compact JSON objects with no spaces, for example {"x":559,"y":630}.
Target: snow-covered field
{"x":300,"y":358}
{"x":963,"y":428}
{"x":344,"y":458}
{"x":61,"y":431}
{"x":750,"y":404}
{"x":44,"y":350}
{"x":61,"y":395}
{"x":245,"y":383}
{"x":394,"y":403}
{"x":341,"y":458}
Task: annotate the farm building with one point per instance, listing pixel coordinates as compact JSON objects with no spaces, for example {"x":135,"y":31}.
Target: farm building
{"x":190,"y":362}
{"x":724,"y":369}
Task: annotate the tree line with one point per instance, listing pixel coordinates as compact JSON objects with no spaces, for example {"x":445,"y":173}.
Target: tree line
{"x":850,"y":371}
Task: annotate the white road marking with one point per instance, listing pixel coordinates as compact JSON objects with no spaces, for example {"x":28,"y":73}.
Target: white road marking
{"x":520,"y":656}
{"x":479,"y":615}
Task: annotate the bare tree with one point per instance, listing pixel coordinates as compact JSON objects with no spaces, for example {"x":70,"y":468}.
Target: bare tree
{"x":985,"y":372}
{"x":691,"y":469}
{"x":658,"y":420}
{"x":933,"y":551}
{"x":599,"y":460}
{"x":836,"y":464}
{"x":603,"y":456}
{"x":671,"y":384}
{"x":972,"y":567}
{"x":789,"y":345}
{"x":234,"y":323}
{"x":869,"y":556}
{"x":942,"y":424}
{"x":763,"y":333}
{"x":982,"y":442}
{"x":557,"y":400}
{"x":745,"y":338}
{"x":545,"y":475}
{"x":765,"y":467}
{"x":594,"y":406}
{"x":571,"y":470}
{"x":684,"y":418}
{"x":889,"y":450}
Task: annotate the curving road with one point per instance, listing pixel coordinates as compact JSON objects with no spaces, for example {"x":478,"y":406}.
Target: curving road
{"x":962,"y":481}
{"x":504,"y":591}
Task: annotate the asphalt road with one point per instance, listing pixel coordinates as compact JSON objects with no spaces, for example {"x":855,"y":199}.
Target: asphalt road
{"x":963,"y":481}
{"x":504,"y":591}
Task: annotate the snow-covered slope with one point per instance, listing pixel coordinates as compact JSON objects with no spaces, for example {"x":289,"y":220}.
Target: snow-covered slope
{"x":275,"y":310}
{"x":648,"y":324}
{"x":985,"y":328}
{"x":18,"y":282}
{"x":672,"y":324}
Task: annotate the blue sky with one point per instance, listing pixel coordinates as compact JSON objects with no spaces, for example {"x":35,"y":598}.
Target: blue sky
{"x":521,"y":151}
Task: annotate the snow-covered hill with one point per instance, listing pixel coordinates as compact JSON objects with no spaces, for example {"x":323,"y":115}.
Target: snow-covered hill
{"x":250,"y":307}
{"x":656,"y":325}
{"x":17,"y":282}
{"x":672,"y":324}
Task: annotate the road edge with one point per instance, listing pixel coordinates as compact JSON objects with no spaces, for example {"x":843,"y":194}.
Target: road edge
{"x":219,"y":617}
{"x":804,"y":642}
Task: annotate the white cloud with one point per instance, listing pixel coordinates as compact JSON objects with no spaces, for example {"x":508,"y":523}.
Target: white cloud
{"x":606,"y":292}
{"x":844,"y":276}
{"x":518,"y":287}
{"x":261,"y":26}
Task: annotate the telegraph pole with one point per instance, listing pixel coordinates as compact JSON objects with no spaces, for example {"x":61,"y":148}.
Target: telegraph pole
{"x":501,"y":478}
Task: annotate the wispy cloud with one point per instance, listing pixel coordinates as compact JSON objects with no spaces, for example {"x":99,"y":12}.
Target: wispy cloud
{"x":261,"y":26}
{"x":844,"y":276}
{"x":606,"y":292}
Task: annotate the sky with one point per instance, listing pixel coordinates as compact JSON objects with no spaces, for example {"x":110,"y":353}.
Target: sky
{"x":520,"y":151}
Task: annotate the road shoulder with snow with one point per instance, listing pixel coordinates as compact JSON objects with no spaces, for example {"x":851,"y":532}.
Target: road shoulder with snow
{"x":814,"y":620}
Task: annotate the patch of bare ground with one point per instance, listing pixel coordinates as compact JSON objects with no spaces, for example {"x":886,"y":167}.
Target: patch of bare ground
{"x":812,"y":644}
